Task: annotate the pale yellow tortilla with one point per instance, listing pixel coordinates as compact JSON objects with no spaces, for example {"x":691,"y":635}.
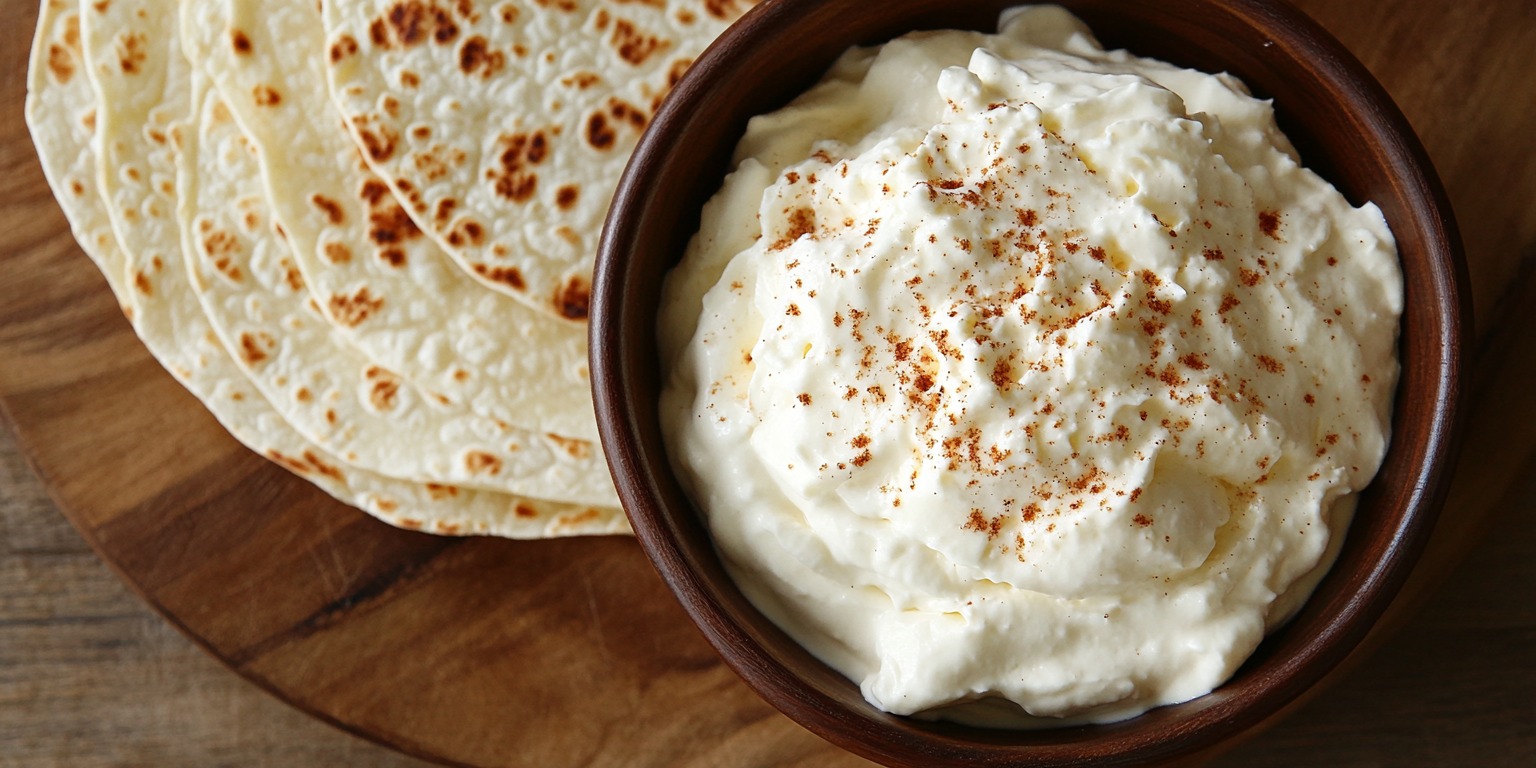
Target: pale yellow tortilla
{"x":63,"y":113}
{"x":386,"y":286}
{"x":244,"y":275}
{"x":505,"y":126}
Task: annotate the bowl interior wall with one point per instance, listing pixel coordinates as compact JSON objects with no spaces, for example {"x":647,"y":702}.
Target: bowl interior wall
{"x":1363,"y":146}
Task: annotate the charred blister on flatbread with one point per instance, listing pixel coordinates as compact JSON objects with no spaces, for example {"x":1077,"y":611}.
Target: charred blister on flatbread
{"x":412,"y":23}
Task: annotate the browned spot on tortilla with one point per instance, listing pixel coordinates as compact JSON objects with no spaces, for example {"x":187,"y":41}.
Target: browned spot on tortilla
{"x":572,"y":300}
{"x":599,"y":134}
{"x":584,"y":516}
{"x":130,"y":52}
{"x":72,"y":32}
{"x":443,"y":212}
{"x":509,"y":13}
{"x":412,"y":22}
{"x":435,"y":163}
{"x":627,"y":113}
{"x":482,"y":463}
{"x":515,"y":179}
{"x":568,"y":6}
{"x":577,"y":449}
{"x":389,"y":224}
{"x":393,"y":257}
{"x":220,"y":247}
{"x":566,"y":196}
{"x":581,"y":80}
{"x":468,"y":232}
{"x":477,"y":57}
{"x":60,"y":63}
{"x":345,"y":46}
{"x":439,"y":492}
{"x":306,"y":464}
{"x":379,"y":141}
{"x":523,"y":510}
{"x":633,"y":45}
{"x":508,"y":276}
{"x":220,"y":244}
{"x":409,"y":79}
{"x":601,"y":125}
{"x":330,"y":208}
{"x":354,"y":309}
{"x":291,"y":275}
{"x":409,"y":523}
{"x":337,"y":253}
{"x":240,"y":42}
{"x":373,"y":192}
{"x":386,"y":505}
{"x":304,"y":395}
{"x":383,"y":388}
{"x":256,"y":347}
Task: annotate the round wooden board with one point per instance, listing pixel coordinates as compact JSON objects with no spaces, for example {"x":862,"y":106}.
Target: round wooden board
{"x":565,"y":653}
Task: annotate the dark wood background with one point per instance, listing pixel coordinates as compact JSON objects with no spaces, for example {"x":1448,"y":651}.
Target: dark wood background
{"x":90,"y":675}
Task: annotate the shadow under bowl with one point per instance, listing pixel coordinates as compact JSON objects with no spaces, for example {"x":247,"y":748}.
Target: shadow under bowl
{"x":1345,"y":127}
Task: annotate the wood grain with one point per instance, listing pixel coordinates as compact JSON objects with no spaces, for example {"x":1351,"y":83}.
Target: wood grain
{"x":89,"y":676}
{"x":571,"y":653}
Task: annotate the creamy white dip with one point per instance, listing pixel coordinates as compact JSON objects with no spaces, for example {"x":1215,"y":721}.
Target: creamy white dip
{"x":1014,"y":373}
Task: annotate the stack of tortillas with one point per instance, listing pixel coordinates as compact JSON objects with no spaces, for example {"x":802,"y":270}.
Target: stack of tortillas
{"x":362,"y":231}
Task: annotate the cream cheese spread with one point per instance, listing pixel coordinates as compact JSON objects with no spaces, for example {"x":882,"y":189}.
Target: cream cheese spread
{"x":1018,"y":379}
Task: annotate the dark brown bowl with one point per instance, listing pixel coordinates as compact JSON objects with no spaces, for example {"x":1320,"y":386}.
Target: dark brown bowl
{"x":1345,"y":127}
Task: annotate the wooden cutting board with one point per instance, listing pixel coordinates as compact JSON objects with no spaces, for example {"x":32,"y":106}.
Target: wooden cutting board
{"x":566,"y":653}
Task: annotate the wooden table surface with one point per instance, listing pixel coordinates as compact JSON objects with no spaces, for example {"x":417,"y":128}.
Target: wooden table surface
{"x":90,"y":676}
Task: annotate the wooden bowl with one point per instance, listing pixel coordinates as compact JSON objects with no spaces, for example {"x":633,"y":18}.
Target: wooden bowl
{"x":1345,"y":127}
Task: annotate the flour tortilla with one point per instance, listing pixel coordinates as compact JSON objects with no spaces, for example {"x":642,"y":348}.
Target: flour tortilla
{"x":61,"y":115}
{"x":244,"y":275}
{"x":142,"y":91}
{"x":505,"y":126}
{"x":386,"y":286}
{"x":60,"y":101}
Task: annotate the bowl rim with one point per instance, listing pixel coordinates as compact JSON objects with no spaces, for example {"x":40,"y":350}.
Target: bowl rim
{"x":1367,"y":103}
